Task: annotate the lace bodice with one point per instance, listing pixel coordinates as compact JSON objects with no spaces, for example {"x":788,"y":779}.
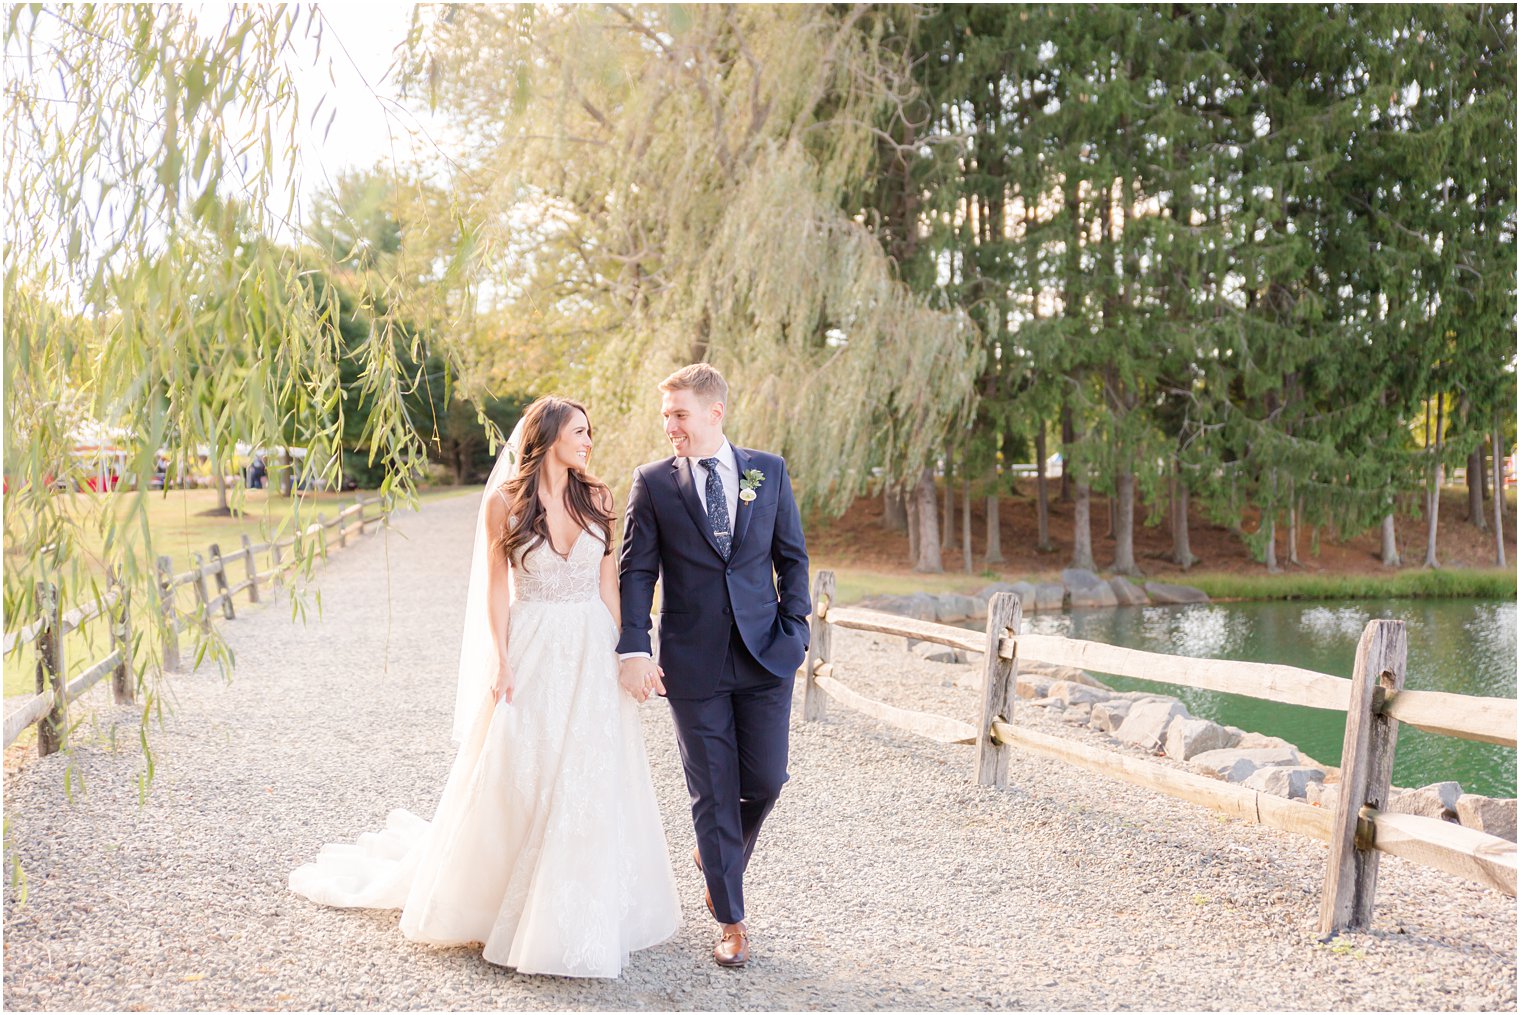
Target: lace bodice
{"x":543,"y":576}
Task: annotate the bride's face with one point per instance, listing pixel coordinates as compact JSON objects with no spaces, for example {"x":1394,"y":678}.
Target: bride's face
{"x":572,"y":448}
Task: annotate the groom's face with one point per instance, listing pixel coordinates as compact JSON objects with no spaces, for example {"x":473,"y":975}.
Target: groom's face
{"x":693,"y":428}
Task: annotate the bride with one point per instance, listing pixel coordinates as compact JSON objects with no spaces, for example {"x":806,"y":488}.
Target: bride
{"x":546,"y":844}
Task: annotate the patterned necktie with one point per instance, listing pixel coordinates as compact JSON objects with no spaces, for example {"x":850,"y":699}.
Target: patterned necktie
{"x":717,"y":507}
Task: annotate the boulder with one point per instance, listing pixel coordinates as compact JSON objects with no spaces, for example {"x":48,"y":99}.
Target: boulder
{"x":952,"y":607}
{"x":1032,"y":685}
{"x":1438,"y":800}
{"x":1048,"y":702}
{"x":1091,"y":597}
{"x":1073,"y":693}
{"x":919,"y":606}
{"x":1323,"y":794}
{"x":1251,"y":741}
{"x":1235,"y":764}
{"x":1127,"y":593}
{"x":1291,"y":781}
{"x":1079,"y":578}
{"x":1187,"y":738}
{"x":1055,"y":672}
{"x":1078,"y":714}
{"x":986,"y":593}
{"x":1026,"y":593}
{"x":1163,"y":594}
{"x":1487,"y":814}
{"x":1109,"y":715}
{"x":1146,"y":724}
{"x":1049,"y":596}
{"x":931,"y":652}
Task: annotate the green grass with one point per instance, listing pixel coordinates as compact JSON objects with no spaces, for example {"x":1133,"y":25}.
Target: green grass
{"x":1467,"y":583}
{"x":855,"y":584}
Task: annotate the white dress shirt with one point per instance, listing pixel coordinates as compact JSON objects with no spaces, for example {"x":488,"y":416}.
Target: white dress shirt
{"x":728,"y":475}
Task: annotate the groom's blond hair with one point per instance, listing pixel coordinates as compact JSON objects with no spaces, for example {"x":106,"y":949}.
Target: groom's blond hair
{"x":702,"y":380}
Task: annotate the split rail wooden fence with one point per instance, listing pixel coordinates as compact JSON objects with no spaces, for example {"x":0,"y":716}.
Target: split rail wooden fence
{"x":48,"y":709}
{"x":1374,"y":700}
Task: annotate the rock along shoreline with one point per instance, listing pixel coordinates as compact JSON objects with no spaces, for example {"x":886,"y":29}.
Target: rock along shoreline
{"x":1161,"y":725}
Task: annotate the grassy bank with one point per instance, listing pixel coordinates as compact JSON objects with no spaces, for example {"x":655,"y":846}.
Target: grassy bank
{"x":855,"y":584}
{"x":1471,"y":583}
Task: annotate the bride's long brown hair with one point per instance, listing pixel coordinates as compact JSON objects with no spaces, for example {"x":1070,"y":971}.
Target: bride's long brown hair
{"x":528,"y":522}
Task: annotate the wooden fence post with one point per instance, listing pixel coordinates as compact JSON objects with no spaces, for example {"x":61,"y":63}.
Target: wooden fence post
{"x":253,"y":569}
{"x":200,"y":590}
{"x":342,"y":529}
{"x":1366,"y":773}
{"x":171,"y":617}
{"x":122,"y":690}
{"x":51,"y":730}
{"x":820,"y":647}
{"x":999,"y":679}
{"x":221,"y":582}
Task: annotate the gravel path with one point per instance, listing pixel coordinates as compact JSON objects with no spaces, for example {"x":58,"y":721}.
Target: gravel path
{"x":886,"y":878}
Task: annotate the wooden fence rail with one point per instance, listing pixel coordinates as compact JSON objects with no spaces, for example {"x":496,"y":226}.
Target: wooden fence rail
{"x":1374,"y":700}
{"x":48,"y":708}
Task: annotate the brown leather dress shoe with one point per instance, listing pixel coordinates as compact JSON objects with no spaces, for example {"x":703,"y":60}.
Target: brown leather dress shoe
{"x":733,"y":947}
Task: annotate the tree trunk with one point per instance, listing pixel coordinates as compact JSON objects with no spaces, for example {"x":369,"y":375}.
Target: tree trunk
{"x":1068,"y":438}
{"x":929,"y":559}
{"x":894,"y":511}
{"x":218,"y":480}
{"x":1182,"y":550}
{"x":1124,"y":526}
{"x":1111,"y":513}
{"x":1433,"y":502}
{"x":1292,"y":525}
{"x":949,"y":517}
{"x":910,"y":508}
{"x":1475,"y":513}
{"x":1269,"y":522}
{"x":994,"y":532}
{"x":287,"y":473}
{"x":1042,"y":488}
{"x":1081,"y":535}
{"x":1390,"y":543}
{"x":1498,"y":498}
{"x":966,"y":523}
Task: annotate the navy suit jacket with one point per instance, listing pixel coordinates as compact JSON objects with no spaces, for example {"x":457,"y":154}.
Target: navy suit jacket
{"x":762,"y":588}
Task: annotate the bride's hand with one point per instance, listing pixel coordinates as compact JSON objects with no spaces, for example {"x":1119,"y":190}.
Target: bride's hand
{"x":501,"y":687}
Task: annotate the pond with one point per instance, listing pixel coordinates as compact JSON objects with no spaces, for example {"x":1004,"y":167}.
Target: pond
{"x":1465,"y":646}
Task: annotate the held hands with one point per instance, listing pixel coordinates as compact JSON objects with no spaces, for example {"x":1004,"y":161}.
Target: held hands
{"x":640,"y":677}
{"x":501,"y":687}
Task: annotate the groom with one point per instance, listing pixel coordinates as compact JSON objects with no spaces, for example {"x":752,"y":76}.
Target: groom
{"x":718,"y":526}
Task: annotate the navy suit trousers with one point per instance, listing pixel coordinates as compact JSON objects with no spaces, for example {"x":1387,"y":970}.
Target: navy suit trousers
{"x":733,"y":748}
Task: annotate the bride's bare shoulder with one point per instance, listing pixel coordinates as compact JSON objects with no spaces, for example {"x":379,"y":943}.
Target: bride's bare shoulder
{"x":497,"y":508}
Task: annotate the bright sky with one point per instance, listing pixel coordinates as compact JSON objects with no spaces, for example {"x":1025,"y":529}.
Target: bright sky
{"x":358,"y":47}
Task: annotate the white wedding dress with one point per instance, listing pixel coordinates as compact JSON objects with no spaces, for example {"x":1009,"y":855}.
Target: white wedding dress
{"x":547,"y":845}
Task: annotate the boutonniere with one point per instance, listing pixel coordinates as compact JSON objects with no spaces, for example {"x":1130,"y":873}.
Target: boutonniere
{"x":749,"y":483}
